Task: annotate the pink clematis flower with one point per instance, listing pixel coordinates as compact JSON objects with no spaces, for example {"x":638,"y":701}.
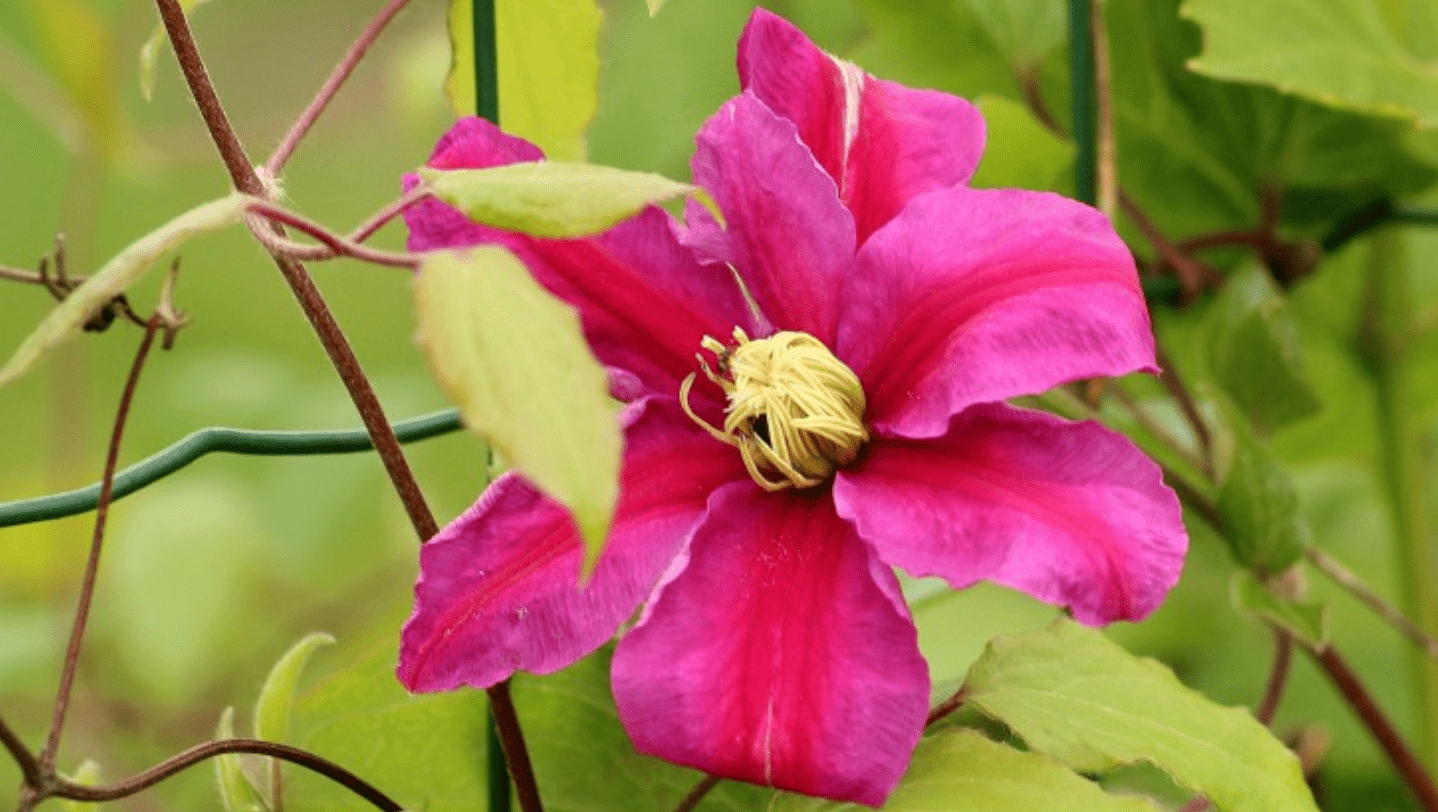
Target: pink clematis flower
{"x":848,"y":417}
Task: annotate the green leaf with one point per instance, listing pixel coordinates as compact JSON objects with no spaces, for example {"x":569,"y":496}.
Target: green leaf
{"x":111,"y":280}
{"x":236,"y":792}
{"x":514,"y":359}
{"x":963,"y":770}
{"x":425,"y":751}
{"x":548,"y":54}
{"x":150,"y":51}
{"x":1024,"y":30}
{"x":1339,"y":52}
{"x":1020,"y":151}
{"x":1256,"y":354}
{"x":548,"y":60}
{"x":552,"y":198}
{"x":1308,"y":622}
{"x":459,"y":83}
{"x":584,"y":760}
{"x":1075,"y":695}
{"x":277,"y":695}
{"x":1259,"y":504}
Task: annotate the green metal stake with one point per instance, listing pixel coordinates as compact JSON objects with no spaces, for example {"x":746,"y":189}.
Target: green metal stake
{"x":486,"y":101}
{"x":1081,"y":68}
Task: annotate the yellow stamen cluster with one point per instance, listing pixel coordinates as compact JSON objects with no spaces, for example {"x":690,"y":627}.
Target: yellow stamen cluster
{"x":795,"y":411}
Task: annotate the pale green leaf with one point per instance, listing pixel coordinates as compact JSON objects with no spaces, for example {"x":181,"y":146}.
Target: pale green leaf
{"x":962,"y":770}
{"x":654,"y":6}
{"x":548,"y":61}
{"x":111,"y":280}
{"x":515,"y":361}
{"x":459,"y":84}
{"x":236,"y":792}
{"x":1073,"y":694}
{"x":548,"y":53}
{"x":150,"y":51}
{"x":426,"y":751}
{"x":1306,"y":621}
{"x":277,"y":695}
{"x":551,"y":198}
{"x":1339,"y":52}
{"x":585,"y":762}
{"x":1020,"y":152}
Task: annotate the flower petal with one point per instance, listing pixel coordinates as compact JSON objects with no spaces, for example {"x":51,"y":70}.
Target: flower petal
{"x":782,"y":654}
{"x":883,"y":143}
{"x":499,"y":587}
{"x":788,"y":236}
{"x":1070,"y":513}
{"x":644,"y":301}
{"x":975,"y":296}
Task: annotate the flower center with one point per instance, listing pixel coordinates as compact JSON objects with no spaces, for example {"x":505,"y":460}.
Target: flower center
{"x":795,"y":411}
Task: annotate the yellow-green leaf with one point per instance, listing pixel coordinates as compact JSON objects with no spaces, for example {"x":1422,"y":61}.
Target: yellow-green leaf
{"x":1343,"y":53}
{"x":654,"y":6}
{"x":237,"y":794}
{"x":515,"y":361}
{"x":79,"y":45}
{"x":962,"y":770}
{"x":86,"y":775}
{"x":150,"y":51}
{"x":1020,"y":152}
{"x":548,"y":61}
{"x":552,"y":198}
{"x":119,"y":273}
{"x":1073,"y":694}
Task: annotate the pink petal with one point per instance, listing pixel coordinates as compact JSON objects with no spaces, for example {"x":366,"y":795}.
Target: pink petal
{"x":882,"y":142}
{"x":499,"y":587}
{"x":782,"y":654}
{"x":644,"y":301}
{"x":1070,"y":513}
{"x":975,"y":296}
{"x":789,"y":237}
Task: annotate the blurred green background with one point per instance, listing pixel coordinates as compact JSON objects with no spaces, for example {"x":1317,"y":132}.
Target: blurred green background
{"x":210,"y":575}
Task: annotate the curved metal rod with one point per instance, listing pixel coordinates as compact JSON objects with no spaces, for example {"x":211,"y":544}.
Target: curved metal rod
{"x":221,"y":439}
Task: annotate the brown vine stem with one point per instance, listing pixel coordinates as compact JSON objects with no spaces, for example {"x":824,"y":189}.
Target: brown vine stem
{"x":1178,"y":390}
{"x":1192,"y":274}
{"x":92,"y":565}
{"x":690,"y":801}
{"x":63,"y":788}
{"x":276,"y":164}
{"x":1403,"y":759}
{"x":946,"y":707}
{"x":334,"y":244}
{"x":29,"y":767}
{"x":1277,"y":678}
{"x":1347,"y":579}
{"x":344,"y":360}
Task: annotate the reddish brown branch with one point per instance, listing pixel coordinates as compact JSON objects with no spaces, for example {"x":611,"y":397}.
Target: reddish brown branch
{"x":946,"y":707}
{"x":92,"y":565}
{"x":63,"y":788}
{"x":1277,"y":678}
{"x":1404,"y":761}
{"x":30,"y":770}
{"x":511,"y":739}
{"x":697,"y":794}
{"x":332,"y":85}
